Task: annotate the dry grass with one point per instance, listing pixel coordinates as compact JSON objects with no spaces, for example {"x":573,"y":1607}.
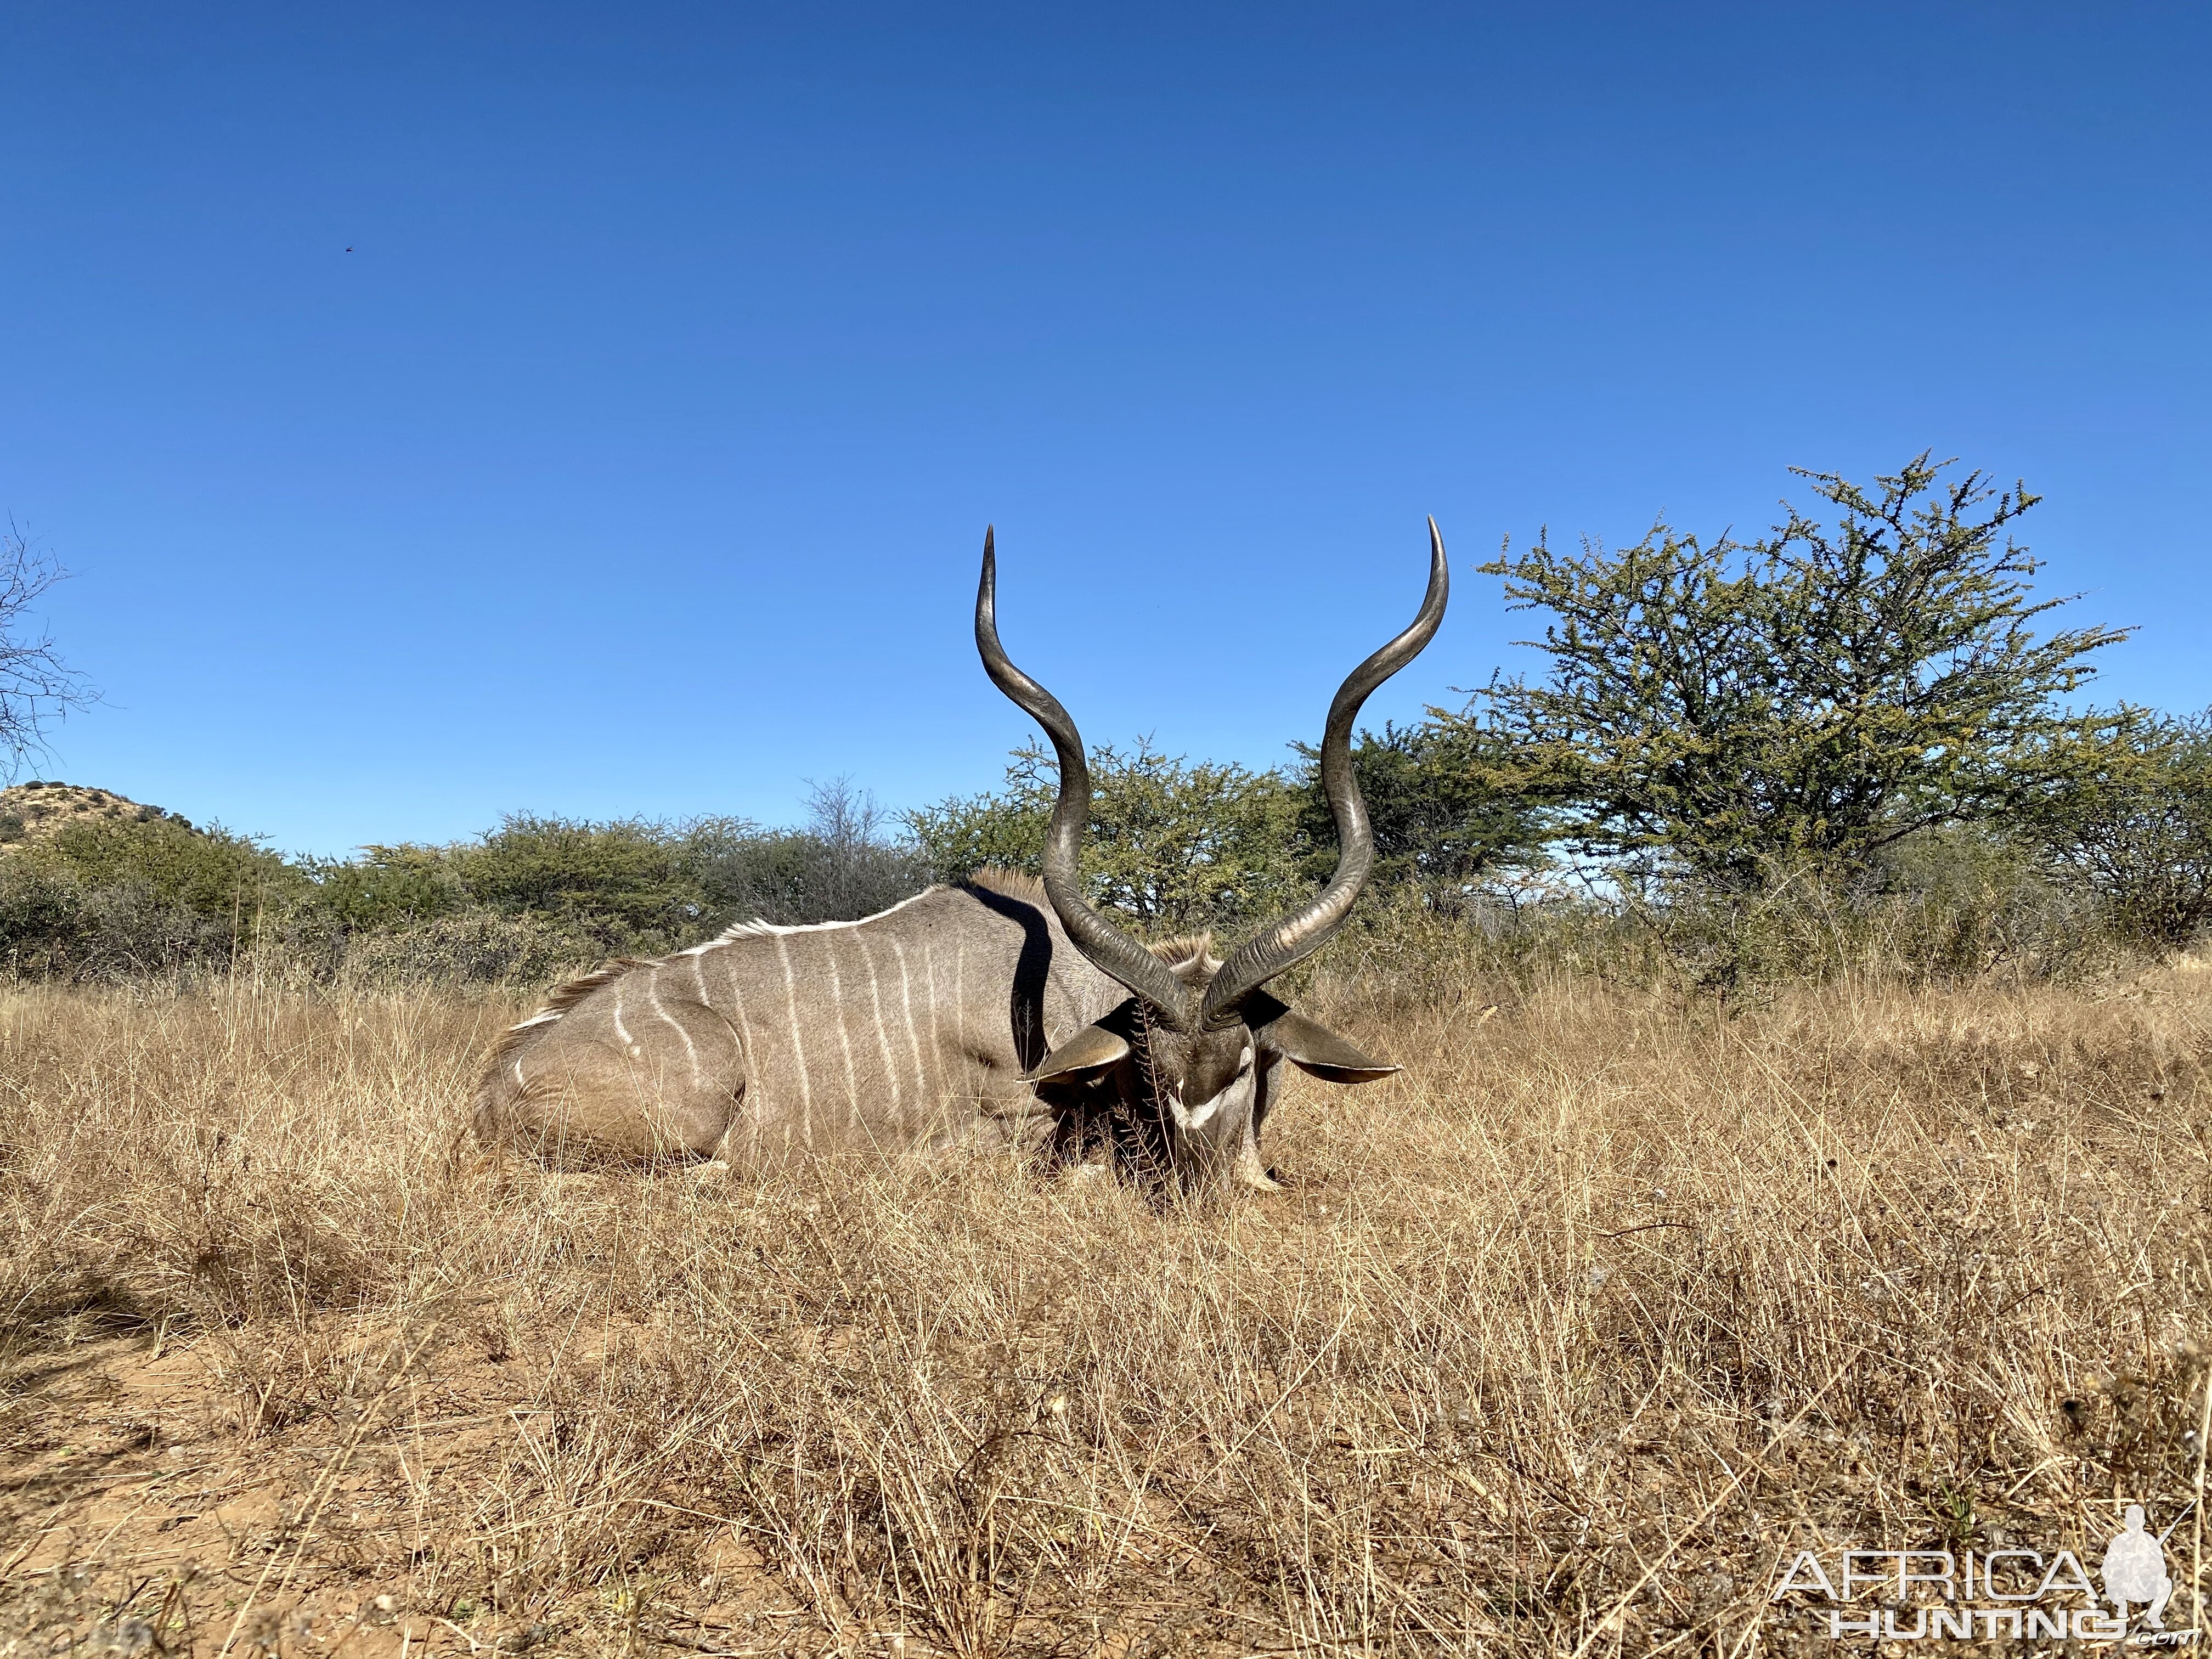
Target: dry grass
{"x":1557,"y":1344}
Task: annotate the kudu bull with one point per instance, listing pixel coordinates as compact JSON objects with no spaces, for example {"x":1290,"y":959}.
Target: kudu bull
{"x":995,"y":1011}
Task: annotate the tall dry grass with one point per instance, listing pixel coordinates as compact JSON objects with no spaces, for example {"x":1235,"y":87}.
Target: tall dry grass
{"x":1557,"y":1343}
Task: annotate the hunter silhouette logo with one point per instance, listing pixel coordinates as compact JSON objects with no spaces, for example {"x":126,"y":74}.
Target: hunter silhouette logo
{"x":2134,"y":1570}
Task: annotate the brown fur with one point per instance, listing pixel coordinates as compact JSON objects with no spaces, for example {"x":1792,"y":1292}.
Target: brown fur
{"x":558,"y":1000}
{"x":1191,"y":955}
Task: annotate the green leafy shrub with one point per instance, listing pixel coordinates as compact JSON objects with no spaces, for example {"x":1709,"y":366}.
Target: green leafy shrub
{"x":844,"y":864}
{"x":622,"y":883}
{"x":467,"y":947}
{"x":1941,"y":908}
{"x":207,"y":872}
{"x":111,"y":897}
{"x":388,"y":887}
{"x":540,"y":895}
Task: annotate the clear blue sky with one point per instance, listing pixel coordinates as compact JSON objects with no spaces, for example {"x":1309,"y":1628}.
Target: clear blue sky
{"x":637,"y":457}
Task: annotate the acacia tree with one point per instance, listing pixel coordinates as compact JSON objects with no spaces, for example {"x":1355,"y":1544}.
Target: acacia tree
{"x":1441,"y":822}
{"x":1737,"y":710}
{"x":1175,"y":846}
{"x":2136,"y":829}
{"x":35,"y":685}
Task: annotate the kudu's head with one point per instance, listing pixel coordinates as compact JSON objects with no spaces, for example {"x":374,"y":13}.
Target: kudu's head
{"x":1202,"y":1039}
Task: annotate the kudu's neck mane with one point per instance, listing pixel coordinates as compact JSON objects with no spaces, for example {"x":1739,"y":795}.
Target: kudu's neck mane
{"x":1190,"y":956}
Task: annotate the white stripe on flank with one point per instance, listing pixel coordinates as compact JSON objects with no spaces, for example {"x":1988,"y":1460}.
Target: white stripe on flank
{"x":798,"y":1049}
{"x":936,"y":1031}
{"x":844,"y":1036}
{"x":737,"y":999}
{"x":690,"y":1048}
{"x":544,"y":1016}
{"x":883,"y":1036}
{"x":912,"y":1042}
{"x":754,"y":1073}
{"x":621,"y":1029}
{"x":960,"y":994}
{"x":699,"y":984}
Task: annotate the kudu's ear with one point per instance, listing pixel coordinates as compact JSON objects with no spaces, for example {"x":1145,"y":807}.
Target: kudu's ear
{"x":1090,"y":1049}
{"x":1311,"y":1046}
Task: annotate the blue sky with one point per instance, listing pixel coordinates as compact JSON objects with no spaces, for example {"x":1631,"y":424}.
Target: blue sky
{"x":636,"y":459}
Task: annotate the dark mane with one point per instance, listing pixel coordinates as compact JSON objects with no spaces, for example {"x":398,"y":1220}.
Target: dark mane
{"x":1184,"y":951}
{"x":1007,"y":883}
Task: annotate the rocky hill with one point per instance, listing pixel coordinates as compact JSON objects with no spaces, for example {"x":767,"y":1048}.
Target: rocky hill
{"x":36,"y":809}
